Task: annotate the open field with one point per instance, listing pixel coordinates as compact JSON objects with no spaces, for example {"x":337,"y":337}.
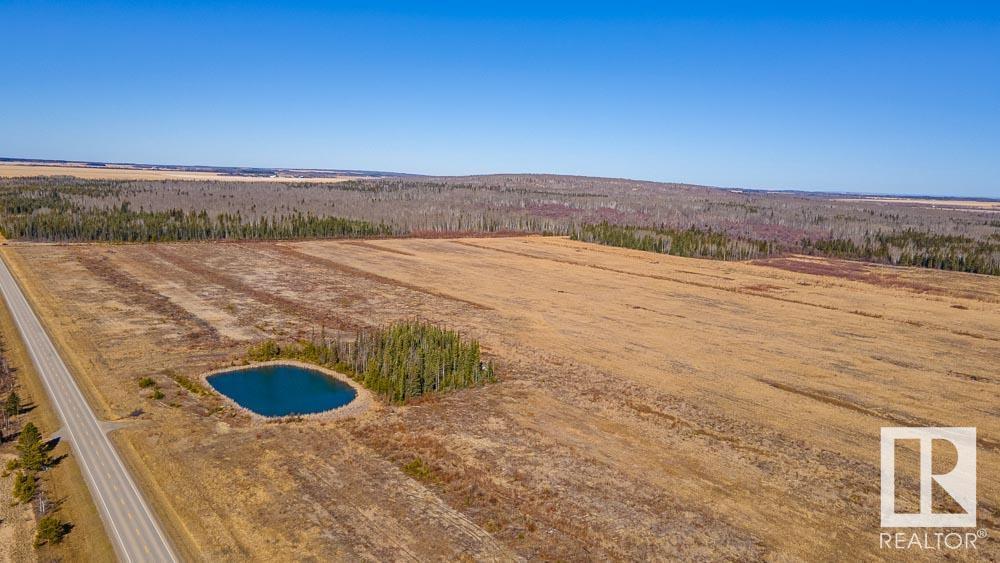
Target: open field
{"x":969,"y":204}
{"x":650,"y":406}
{"x":124,"y":172}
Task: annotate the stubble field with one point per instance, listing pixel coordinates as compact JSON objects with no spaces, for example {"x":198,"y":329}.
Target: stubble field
{"x":650,"y":406}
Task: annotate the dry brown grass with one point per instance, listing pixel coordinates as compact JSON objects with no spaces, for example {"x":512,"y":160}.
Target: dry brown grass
{"x":651,"y":406}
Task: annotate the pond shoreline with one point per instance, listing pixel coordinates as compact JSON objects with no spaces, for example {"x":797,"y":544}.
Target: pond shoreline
{"x":362,"y":401}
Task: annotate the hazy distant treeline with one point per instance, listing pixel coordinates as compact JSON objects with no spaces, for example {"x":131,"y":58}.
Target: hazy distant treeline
{"x":672,"y":218}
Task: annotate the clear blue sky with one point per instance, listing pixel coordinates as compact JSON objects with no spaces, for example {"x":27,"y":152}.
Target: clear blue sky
{"x":903,"y":97}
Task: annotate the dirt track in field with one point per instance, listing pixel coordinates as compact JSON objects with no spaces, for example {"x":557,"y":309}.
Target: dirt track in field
{"x":651,"y":406}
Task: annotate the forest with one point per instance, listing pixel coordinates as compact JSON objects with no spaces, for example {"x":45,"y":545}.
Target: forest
{"x":398,"y":362}
{"x":679,"y":219}
{"x":690,"y":242}
{"x":915,"y":248}
{"x":907,"y":248}
{"x":50,"y":216}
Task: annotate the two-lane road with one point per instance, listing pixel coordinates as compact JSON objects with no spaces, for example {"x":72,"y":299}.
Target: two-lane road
{"x":131,"y":525}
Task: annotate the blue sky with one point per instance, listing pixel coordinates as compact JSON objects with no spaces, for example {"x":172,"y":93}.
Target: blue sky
{"x":900,"y":98}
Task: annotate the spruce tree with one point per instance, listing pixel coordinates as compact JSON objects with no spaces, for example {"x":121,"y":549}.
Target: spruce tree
{"x":25,"y":487}
{"x":12,"y":406}
{"x":31,"y":449}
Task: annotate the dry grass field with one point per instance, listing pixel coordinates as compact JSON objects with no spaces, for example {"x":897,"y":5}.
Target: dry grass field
{"x":651,"y":407}
{"x":969,"y":204}
{"x":123,"y":172}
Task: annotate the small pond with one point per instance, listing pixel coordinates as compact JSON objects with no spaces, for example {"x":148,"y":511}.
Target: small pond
{"x":282,"y":390}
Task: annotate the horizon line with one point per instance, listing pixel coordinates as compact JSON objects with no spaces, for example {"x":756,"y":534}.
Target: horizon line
{"x":385,"y":173}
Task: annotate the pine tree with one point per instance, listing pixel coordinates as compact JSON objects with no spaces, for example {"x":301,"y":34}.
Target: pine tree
{"x":25,"y":487}
{"x":31,"y":449}
{"x":50,"y":530}
{"x":12,"y":406}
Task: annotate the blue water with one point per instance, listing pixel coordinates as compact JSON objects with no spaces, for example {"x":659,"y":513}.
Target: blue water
{"x":280,"y":390}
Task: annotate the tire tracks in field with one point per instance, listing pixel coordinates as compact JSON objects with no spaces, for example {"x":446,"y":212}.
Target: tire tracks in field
{"x":235,"y":284}
{"x":103,"y":268}
{"x":735,"y":290}
{"x":357,"y":272}
{"x":893,"y":417}
{"x":366,"y":244}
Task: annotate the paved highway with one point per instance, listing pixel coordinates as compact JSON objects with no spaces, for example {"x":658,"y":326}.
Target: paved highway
{"x":130,"y":523}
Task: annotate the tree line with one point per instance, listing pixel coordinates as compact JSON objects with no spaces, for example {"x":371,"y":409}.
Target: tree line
{"x":915,"y":248}
{"x":398,"y":362}
{"x":123,"y":224}
{"x":690,"y":242}
{"x":902,"y":248}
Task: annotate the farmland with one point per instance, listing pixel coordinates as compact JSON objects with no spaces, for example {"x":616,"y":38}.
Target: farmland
{"x":10,"y":167}
{"x":648,"y":404}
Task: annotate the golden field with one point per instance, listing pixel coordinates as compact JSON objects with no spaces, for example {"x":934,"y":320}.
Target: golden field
{"x":650,"y":407}
{"x":965,"y":204}
{"x":125,"y":172}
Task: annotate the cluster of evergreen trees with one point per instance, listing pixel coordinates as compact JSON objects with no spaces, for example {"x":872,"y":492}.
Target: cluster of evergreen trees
{"x":32,"y":452}
{"x":690,"y":242}
{"x":915,"y":248}
{"x":33,"y":457}
{"x":399,"y":362}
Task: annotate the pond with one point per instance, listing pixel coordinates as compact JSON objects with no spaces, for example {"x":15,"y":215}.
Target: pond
{"x":282,"y":390}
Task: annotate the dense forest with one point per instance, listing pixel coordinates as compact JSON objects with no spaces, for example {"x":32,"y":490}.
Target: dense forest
{"x":51,"y":216}
{"x":398,"y":362}
{"x":678,"y":219}
{"x":125,"y":225}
